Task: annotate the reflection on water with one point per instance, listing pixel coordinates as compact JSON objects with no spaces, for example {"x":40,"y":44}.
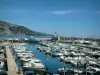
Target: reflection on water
{"x":53,"y":64}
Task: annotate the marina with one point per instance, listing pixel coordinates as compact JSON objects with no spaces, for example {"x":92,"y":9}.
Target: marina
{"x":49,"y":57}
{"x":77,"y":56}
{"x":49,"y":37}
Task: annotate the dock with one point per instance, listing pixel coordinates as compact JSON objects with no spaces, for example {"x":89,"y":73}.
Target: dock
{"x":12,"y":66}
{"x":43,"y":39}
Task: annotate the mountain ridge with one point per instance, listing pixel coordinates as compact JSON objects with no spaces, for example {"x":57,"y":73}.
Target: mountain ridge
{"x":14,"y":29}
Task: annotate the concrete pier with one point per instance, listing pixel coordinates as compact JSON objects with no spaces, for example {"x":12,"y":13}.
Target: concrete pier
{"x":43,"y":39}
{"x":12,"y":66}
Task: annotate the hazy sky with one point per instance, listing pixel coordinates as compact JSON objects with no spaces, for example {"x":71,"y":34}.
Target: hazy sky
{"x":67,"y":17}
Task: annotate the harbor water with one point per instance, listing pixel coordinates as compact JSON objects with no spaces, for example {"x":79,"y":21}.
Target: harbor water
{"x":53,"y":64}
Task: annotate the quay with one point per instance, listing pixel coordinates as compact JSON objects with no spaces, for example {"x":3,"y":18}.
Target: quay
{"x":43,"y":39}
{"x":11,"y":63}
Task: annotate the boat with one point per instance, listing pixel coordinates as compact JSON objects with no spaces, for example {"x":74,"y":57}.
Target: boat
{"x":63,"y":69}
{"x":53,"y":54}
{"x":25,"y":55}
{"x":1,"y":65}
{"x":2,"y":57}
{"x":38,"y":48}
{"x":37,"y":63}
{"x":47,"y":52}
{"x":80,"y":61}
{"x":96,"y":69}
{"x":59,"y":54}
{"x":77,"y":71}
{"x":3,"y":72}
{"x":29,"y":73}
{"x":34,"y":64}
{"x":31,"y":40}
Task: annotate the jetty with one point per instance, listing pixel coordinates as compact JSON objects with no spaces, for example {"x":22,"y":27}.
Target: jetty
{"x":11,"y":63}
{"x":43,"y":39}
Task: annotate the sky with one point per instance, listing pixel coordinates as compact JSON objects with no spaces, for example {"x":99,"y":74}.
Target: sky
{"x":78,"y":18}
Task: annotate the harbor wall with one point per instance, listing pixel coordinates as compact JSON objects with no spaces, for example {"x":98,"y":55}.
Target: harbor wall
{"x":43,"y":39}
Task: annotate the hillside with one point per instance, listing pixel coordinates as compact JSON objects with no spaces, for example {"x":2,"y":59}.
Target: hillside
{"x":8,"y":28}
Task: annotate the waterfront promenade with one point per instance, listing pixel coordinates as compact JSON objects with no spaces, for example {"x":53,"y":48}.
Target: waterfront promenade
{"x":12,"y":66}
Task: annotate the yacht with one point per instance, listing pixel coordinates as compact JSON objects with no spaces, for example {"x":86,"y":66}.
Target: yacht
{"x":37,"y":63}
{"x":34,"y":64}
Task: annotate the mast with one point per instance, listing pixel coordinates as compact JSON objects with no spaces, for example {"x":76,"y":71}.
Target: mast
{"x":64,"y":67}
